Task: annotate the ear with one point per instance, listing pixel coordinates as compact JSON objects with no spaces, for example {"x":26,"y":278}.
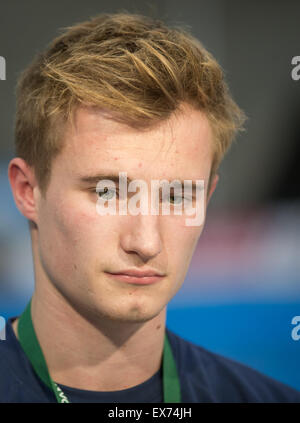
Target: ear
{"x":212,"y":187}
{"x":23,"y":184}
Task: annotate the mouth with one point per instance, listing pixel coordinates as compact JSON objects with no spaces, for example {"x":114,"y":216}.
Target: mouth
{"x":137,"y":277}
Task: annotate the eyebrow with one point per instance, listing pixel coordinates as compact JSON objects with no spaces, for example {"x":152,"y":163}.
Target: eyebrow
{"x":94,"y":179}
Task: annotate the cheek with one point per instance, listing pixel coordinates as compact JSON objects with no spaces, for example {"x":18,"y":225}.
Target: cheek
{"x":66,"y":234}
{"x":180,"y":244}
{"x":84,"y":234}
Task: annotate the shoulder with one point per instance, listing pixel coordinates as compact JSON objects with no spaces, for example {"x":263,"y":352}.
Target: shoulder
{"x":210,"y":377}
{"x":8,"y":349}
{"x":10,"y":382}
{"x":17,"y":382}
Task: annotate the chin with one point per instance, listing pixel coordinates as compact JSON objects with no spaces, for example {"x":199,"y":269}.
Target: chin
{"x":132,"y":314}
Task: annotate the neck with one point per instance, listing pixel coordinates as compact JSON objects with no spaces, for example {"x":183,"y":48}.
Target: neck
{"x":95,"y":354}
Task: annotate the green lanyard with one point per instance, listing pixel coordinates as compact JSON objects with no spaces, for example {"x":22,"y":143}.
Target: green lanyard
{"x":33,"y":351}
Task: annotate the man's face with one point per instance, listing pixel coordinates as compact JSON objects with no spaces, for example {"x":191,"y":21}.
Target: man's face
{"x":77,"y":246}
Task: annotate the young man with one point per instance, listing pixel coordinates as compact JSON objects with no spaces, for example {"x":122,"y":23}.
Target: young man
{"x":118,"y":93}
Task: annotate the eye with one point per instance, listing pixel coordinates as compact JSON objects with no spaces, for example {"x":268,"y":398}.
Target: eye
{"x":106,"y":193}
{"x":175,"y":199}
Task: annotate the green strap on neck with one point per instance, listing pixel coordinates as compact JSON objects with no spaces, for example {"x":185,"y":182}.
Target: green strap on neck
{"x":171,"y":384}
{"x":33,"y":351}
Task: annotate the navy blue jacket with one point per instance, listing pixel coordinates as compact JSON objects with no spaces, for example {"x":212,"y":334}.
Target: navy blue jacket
{"x":204,"y":377}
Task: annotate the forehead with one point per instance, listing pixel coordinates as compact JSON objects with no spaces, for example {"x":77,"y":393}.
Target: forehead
{"x":97,"y":141}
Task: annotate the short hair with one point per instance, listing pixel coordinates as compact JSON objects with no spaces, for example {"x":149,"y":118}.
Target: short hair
{"x":135,"y":66}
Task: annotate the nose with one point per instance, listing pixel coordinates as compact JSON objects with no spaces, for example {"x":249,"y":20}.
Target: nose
{"x":142,"y":236}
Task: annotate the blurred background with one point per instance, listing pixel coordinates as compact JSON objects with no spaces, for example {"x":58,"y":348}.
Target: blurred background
{"x":243,"y":286}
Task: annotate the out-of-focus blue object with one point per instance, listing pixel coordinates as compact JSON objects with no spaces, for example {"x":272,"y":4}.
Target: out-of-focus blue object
{"x":255,"y":334}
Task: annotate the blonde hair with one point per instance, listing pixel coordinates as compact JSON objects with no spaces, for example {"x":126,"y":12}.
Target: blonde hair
{"x":135,"y":66}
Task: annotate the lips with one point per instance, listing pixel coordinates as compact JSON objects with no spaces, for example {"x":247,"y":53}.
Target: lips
{"x":138,"y":272}
{"x":137,"y":276}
